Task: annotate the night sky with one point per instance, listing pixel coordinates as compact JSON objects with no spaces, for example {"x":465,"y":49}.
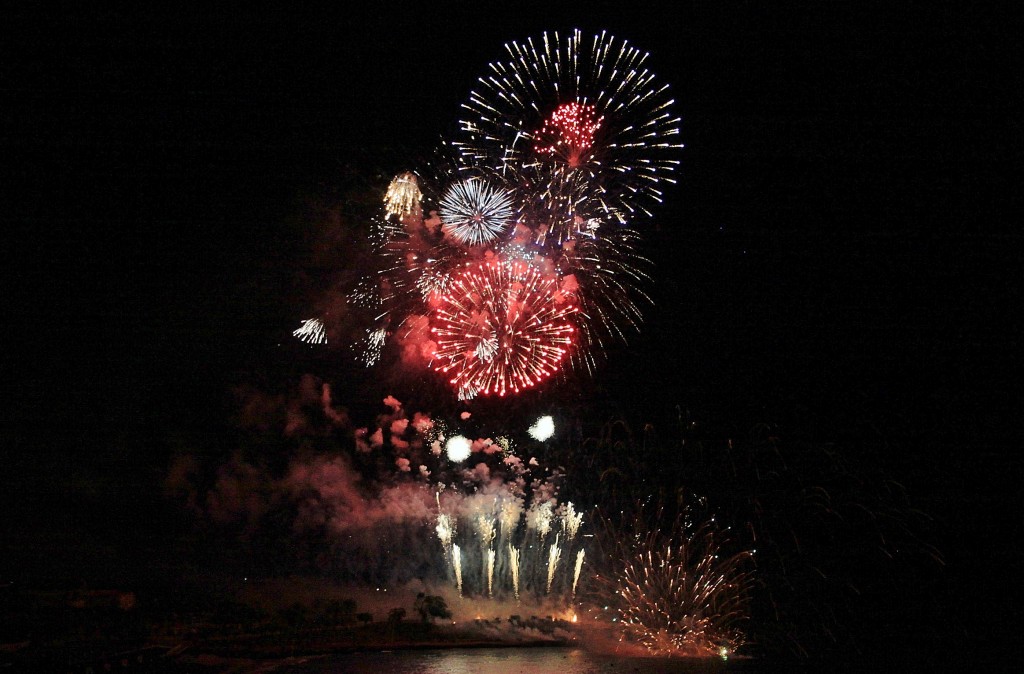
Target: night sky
{"x":830,"y":260}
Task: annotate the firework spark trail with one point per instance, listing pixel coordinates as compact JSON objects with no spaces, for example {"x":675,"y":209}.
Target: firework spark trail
{"x":513,"y":557}
{"x":608,"y":274}
{"x":457,"y":563}
{"x":490,"y":573}
{"x":513,"y":306}
{"x":475,"y":213}
{"x":508,"y":517}
{"x":403,"y":195}
{"x":311,"y":331}
{"x":485,"y":531}
{"x":445,"y":530}
{"x":553,"y":556}
{"x":677,"y":591}
{"x":576,"y":572}
{"x":372,"y":344}
{"x":540,"y":518}
{"x":571,"y":521}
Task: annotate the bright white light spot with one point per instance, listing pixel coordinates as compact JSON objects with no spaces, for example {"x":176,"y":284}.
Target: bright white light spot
{"x":458,"y":448}
{"x":543,"y":429}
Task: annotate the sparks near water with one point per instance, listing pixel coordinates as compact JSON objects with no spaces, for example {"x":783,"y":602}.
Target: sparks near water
{"x":678,"y":590}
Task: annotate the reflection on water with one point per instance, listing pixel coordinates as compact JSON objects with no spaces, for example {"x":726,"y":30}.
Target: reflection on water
{"x":503,"y":661}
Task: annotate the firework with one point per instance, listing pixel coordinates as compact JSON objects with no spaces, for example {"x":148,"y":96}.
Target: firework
{"x":312,"y":331}
{"x":606,"y":275}
{"x":458,"y":448}
{"x":508,"y":516}
{"x":457,"y":564}
{"x":569,"y":133}
{"x":571,"y":521}
{"x":485,"y":530}
{"x":554,"y":554}
{"x":562,"y":113}
{"x":474,"y":212}
{"x":403,"y":195}
{"x":513,"y":557}
{"x":500,"y":329}
{"x":485,"y":533}
{"x":490,"y":573}
{"x":679,"y":591}
{"x":372,"y":344}
{"x":445,"y":530}
{"x":542,"y":429}
{"x":565,"y":140}
{"x":576,"y":571}
{"x":539,"y":518}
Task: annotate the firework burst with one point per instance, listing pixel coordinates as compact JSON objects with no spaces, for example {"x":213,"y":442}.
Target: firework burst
{"x":403,"y":195}
{"x":569,"y":133}
{"x":311,"y":331}
{"x":564,"y":112}
{"x":678,"y":591}
{"x":510,"y":241}
{"x":501,"y":329}
{"x":474,"y":212}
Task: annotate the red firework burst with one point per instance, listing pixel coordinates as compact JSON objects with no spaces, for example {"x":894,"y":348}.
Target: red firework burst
{"x":569,"y":132}
{"x":501,"y":327}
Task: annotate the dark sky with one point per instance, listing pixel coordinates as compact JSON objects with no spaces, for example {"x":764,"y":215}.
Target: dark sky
{"x":828,"y":257}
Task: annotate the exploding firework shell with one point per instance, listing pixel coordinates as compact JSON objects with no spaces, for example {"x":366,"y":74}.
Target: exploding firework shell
{"x":575,"y":118}
{"x":403,"y":195}
{"x":501,"y":328}
{"x":475,"y":212}
{"x":312,"y":331}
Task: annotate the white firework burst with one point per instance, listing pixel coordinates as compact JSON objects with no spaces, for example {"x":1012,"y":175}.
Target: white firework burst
{"x":475,"y":213}
{"x":372,"y":344}
{"x":312,"y":331}
{"x":579,"y":119}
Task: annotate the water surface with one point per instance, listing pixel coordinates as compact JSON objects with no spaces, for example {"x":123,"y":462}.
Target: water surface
{"x":554,"y":660}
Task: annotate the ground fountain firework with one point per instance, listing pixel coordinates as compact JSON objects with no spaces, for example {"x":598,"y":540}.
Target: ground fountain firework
{"x":681,"y":589}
